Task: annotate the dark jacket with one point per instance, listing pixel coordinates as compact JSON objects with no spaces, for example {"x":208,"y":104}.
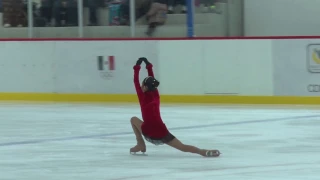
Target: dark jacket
{"x":46,"y":3}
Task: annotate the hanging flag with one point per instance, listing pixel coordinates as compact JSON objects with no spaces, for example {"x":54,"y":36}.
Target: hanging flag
{"x":102,"y":63}
{"x":111,"y":63}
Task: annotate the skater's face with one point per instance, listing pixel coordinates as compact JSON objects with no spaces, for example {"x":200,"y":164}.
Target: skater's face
{"x":144,"y":88}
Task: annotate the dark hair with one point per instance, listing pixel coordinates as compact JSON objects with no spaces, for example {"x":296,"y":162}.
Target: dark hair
{"x":151,"y":83}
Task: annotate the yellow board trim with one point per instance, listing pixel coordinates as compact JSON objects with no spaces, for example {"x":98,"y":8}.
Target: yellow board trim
{"x":130,"y":98}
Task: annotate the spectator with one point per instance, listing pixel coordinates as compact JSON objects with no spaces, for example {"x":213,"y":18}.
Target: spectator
{"x":156,"y":15}
{"x":13,"y":14}
{"x":46,"y":10}
{"x":119,"y":12}
{"x":65,"y":13}
{"x":38,"y":20}
{"x":60,"y":12}
{"x":142,"y":7}
{"x":173,"y":3}
{"x":72,"y":12}
{"x":93,"y":6}
{"x":125,"y":11}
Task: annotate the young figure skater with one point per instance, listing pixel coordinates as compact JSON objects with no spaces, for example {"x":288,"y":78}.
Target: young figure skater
{"x":152,"y":127}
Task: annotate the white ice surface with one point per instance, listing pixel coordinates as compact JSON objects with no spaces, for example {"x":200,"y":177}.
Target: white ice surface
{"x":92,"y":142}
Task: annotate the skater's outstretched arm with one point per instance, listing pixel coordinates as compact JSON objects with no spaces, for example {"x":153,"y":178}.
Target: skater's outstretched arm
{"x":150,"y":70}
{"x":137,"y":68}
{"x":149,"y":67}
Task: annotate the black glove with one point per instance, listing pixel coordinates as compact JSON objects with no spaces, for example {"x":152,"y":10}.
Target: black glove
{"x":139,"y":62}
{"x":145,"y":60}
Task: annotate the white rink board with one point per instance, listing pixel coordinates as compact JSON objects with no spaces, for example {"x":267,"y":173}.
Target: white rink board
{"x":185,"y":67}
{"x":71,"y":67}
{"x":77,"y":70}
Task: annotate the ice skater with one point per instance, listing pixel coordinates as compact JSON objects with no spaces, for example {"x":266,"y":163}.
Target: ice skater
{"x":152,"y":127}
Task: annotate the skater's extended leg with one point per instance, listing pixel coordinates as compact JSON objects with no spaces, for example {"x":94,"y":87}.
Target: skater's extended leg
{"x":175,"y":143}
{"x":136,"y":126}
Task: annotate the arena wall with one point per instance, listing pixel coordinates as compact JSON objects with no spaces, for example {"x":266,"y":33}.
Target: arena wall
{"x":203,"y":70}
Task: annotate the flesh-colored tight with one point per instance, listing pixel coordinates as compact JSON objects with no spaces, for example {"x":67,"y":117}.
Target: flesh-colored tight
{"x":175,"y":143}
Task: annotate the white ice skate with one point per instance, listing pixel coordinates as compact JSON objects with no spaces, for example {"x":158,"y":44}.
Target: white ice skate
{"x":138,"y":153}
{"x":213,"y":153}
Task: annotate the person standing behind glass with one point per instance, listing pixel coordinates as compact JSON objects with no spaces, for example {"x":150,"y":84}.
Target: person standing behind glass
{"x":13,"y":14}
{"x":60,"y":12}
{"x":93,"y":6}
{"x":72,"y":12}
{"x":65,"y":12}
{"x":46,"y":10}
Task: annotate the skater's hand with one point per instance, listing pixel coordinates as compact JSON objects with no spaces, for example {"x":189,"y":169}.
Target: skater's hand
{"x":139,"y":62}
{"x":145,"y":60}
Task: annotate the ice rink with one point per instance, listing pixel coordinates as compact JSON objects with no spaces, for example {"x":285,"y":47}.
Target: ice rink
{"x":92,"y":142}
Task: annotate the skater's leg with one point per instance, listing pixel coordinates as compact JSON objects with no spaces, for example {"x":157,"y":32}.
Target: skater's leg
{"x":136,"y":126}
{"x":175,"y":143}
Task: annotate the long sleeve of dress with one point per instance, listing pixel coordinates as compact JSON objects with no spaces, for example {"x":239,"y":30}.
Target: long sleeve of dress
{"x":150,"y":73}
{"x":136,"y":81}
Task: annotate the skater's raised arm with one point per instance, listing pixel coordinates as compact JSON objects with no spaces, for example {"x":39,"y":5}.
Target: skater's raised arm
{"x":149,"y":67}
{"x":137,"y":68}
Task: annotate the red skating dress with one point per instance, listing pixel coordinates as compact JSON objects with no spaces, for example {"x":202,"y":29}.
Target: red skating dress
{"x":153,"y":125}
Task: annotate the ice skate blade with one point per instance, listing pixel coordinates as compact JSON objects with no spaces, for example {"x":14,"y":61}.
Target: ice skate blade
{"x":211,"y":154}
{"x":138,"y":154}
